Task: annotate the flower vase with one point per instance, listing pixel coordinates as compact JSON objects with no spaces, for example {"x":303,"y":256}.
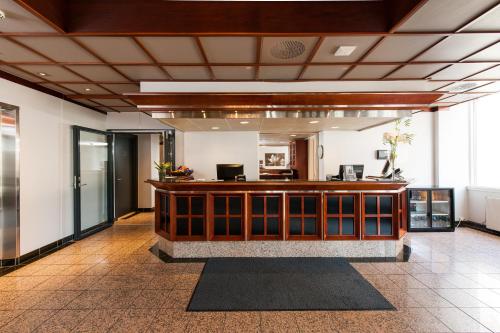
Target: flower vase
{"x":393,"y":168}
{"x":162,"y":175}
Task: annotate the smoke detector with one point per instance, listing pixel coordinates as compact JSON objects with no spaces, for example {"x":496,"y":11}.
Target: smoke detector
{"x":2,"y":15}
{"x":288,"y":49}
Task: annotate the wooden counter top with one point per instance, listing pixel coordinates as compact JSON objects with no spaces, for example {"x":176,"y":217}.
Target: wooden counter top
{"x":277,"y":185}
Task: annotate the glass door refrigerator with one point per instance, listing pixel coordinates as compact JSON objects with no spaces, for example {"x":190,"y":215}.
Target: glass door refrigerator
{"x":431,"y":209}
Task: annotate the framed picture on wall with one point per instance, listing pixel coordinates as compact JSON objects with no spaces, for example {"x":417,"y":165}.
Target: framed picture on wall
{"x":382,"y":154}
{"x":274,"y":159}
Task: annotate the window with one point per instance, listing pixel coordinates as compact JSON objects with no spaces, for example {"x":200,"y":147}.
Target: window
{"x":486,"y":112}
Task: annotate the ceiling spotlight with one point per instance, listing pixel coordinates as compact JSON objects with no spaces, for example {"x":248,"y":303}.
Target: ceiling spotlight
{"x":2,"y":15}
{"x":314,"y":122}
{"x":334,"y":127}
{"x":42,"y":74}
{"x":344,"y":51}
{"x":248,"y":67}
{"x":293,"y":134}
{"x":88,"y":89}
{"x":244,"y":122}
{"x":215,"y":128}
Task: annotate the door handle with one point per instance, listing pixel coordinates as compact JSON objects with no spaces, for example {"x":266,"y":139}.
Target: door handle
{"x":118,"y":179}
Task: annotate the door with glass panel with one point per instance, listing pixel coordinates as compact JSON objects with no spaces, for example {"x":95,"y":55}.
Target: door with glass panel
{"x":92,"y":180}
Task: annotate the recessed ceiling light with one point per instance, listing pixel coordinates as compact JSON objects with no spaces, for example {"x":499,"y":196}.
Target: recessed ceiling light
{"x":42,"y":74}
{"x":2,"y":15}
{"x":314,"y":122}
{"x":334,"y":127}
{"x":344,"y":51}
{"x":248,"y":67}
{"x":293,"y":134}
{"x":244,"y":122}
{"x":88,"y":89}
{"x":215,"y":128}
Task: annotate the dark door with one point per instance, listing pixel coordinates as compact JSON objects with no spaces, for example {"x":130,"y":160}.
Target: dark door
{"x":125,"y":174}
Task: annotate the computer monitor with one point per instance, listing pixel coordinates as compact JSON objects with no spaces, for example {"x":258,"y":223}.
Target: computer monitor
{"x":358,"y":170}
{"x":229,"y":171}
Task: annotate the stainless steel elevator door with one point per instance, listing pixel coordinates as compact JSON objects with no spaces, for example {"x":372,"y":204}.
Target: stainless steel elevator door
{"x":9,"y":182}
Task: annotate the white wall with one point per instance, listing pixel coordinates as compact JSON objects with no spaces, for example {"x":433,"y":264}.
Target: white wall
{"x":263,"y":150}
{"x":354,"y":147}
{"x":179,"y":148}
{"x":203,"y":150}
{"x":46,"y":168}
{"x":453,"y":152}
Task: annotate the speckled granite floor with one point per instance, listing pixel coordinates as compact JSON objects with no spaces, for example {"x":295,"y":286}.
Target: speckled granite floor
{"x":112,"y":282}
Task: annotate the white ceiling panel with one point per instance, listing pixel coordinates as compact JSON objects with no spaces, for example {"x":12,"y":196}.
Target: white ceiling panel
{"x":445,"y":15}
{"x":460,"y":71}
{"x":492,"y":53}
{"x":19,"y":19}
{"x":462,"y":86}
{"x":98,"y":73}
{"x":173,"y":49}
{"x":21,"y":74}
{"x":490,"y":74}
{"x":326,"y":51}
{"x":489,"y":22}
{"x":116,"y":49}
{"x":189,"y":72}
{"x":58,"y":48}
{"x":401,"y":48}
{"x":369,"y":71}
{"x":279,"y":72}
{"x":57,"y":88}
{"x":54,"y":73}
{"x":457,"y":47}
{"x":82,"y":88}
{"x":286,"y":49}
{"x":230,"y":49}
{"x":110,"y":102}
{"x":233,"y":72}
{"x":492,"y":87}
{"x":324,"y":72}
{"x":419,"y":71}
{"x":11,"y":52}
{"x":122,"y":88}
{"x":461,"y":98}
{"x":236,"y":125}
{"x":143,"y":73}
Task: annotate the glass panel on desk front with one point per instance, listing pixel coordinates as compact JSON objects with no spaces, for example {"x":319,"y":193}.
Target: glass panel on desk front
{"x":309,"y":205}
{"x":370,"y":205}
{"x":332,"y":205}
{"x":273,"y":204}
{"x":441,"y":209}
{"x":386,"y":226}
{"x":197,"y":205}
{"x":295,"y":205}
{"x":234,"y":226}
{"x":333,"y":226}
{"x":182,"y":227}
{"x":347,"y":226}
{"x":220,"y":205}
{"x":197,"y":226}
{"x":371,"y":226}
{"x":273,"y":226}
{"x":309,"y":226}
{"x":295,"y":226}
{"x":385,"y":204}
{"x":258,"y":226}
{"x":182,"y":205}
{"x":347,"y":204}
{"x":220,"y":226}
{"x":235,"y":205}
{"x":258,"y":205}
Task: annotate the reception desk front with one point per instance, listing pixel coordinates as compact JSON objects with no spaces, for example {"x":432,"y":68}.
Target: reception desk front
{"x":280,"y":218}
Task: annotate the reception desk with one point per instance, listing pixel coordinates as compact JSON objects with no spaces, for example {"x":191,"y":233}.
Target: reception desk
{"x":280,"y":218}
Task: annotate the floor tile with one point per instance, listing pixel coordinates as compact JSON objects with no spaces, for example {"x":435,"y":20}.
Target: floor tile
{"x":488,"y":317}
{"x":457,"y":320}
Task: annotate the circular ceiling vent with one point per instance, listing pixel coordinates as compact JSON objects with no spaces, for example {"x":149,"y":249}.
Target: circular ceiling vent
{"x":288,"y":49}
{"x":464,"y":86}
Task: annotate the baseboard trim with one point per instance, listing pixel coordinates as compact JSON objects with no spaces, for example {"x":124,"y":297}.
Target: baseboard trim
{"x":38,"y":253}
{"x":145,"y":210}
{"x":480,"y":227}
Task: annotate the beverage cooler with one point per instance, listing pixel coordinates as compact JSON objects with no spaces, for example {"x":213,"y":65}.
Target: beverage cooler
{"x":431,"y":209}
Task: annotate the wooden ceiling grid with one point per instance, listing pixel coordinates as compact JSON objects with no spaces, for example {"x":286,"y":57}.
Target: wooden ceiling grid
{"x":44,"y":11}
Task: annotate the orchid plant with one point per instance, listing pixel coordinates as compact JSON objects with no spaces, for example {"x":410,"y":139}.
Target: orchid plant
{"x":395,"y":138}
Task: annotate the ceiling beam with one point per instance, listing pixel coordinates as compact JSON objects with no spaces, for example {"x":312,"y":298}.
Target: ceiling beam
{"x":51,"y":12}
